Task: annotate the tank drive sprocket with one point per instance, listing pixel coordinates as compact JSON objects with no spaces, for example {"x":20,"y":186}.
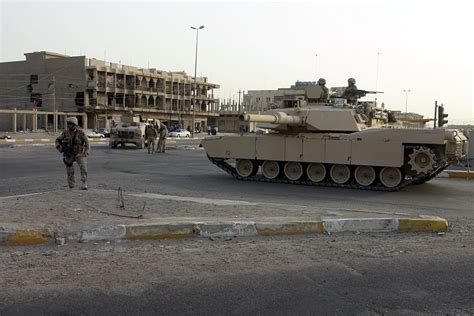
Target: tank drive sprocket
{"x":422,"y":160}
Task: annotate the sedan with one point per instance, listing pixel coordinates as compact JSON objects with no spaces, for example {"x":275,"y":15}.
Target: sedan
{"x":93,"y":134}
{"x":104,"y":131}
{"x":180,"y":133}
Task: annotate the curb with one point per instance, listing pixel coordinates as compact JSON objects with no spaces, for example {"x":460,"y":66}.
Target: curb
{"x":224,"y":229}
{"x":12,"y":237}
{"x":458,"y":174}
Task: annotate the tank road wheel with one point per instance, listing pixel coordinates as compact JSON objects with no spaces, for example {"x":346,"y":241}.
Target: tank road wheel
{"x":422,"y":160}
{"x":293,"y":170}
{"x":365,"y":175}
{"x":270,"y":169}
{"x":245,"y":168}
{"x":316,"y":172}
{"x":340,"y":173}
{"x":390,"y":177}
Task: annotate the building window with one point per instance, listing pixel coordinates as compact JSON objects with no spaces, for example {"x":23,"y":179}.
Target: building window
{"x":33,"y":79}
{"x":257,"y":99}
{"x":36,"y":98}
{"x":268,"y":99}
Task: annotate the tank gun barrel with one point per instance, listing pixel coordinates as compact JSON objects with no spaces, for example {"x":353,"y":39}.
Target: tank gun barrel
{"x":274,"y":118}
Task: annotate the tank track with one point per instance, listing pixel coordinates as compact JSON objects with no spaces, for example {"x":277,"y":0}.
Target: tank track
{"x":221,"y":163}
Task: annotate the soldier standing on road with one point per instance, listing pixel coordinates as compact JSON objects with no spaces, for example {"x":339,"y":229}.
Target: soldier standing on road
{"x":163,"y":136}
{"x":74,"y":145}
{"x":151,"y":135}
{"x":351,"y":93}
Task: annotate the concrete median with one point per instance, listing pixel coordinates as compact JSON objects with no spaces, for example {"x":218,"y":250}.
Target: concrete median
{"x":225,"y":229}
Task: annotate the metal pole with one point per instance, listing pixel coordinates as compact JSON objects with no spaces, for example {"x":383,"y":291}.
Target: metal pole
{"x":377,"y":76}
{"x":195,"y":74}
{"x":239,"y":101}
{"x":54,"y":106}
{"x":316,"y":69}
{"x":406,"y":101}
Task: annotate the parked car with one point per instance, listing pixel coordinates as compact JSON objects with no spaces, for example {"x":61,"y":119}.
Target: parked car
{"x":93,"y":134}
{"x":5,"y":136}
{"x":104,"y":131}
{"x":180,"y":133}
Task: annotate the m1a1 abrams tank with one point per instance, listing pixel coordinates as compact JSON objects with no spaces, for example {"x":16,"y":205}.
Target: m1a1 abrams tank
{"x":335,"y":144}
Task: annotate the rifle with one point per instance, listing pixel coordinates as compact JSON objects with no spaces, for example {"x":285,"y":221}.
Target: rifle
{"x":68,"y":154}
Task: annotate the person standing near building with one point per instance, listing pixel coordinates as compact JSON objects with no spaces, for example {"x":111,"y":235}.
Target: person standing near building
{"x":74,"y":145}
{"x":163,"y":136}
{"x":151,"y":135}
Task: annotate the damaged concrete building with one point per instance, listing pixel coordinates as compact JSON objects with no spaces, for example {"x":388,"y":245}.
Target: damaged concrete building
{"x":54,"y":85}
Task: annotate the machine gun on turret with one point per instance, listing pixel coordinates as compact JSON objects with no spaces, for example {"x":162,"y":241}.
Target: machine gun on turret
{"x":356,"y":93}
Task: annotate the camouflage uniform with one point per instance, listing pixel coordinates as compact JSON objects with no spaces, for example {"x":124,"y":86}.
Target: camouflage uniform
{"x":74,"y":145}
{"x":322,"y":84}
{"x":350,"y":93}
{"x":162,"y":141}
{"x":151,"y":135}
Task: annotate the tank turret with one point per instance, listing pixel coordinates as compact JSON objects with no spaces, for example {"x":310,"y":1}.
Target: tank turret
{"x":319,"y":117}
{"x":336,"y":144}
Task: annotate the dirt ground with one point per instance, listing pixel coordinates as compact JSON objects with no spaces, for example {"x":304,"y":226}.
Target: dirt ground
{"x":73,"y":210}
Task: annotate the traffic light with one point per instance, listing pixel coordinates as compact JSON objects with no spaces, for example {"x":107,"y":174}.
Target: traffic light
{"x":441,"y":116}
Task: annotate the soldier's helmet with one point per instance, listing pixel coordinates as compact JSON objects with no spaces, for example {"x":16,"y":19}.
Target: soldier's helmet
{"x":322,"y":81}
{"x":351,"y":80}
{"x":72,"y":120}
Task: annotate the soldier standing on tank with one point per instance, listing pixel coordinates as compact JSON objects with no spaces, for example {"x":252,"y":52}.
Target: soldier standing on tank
{"x":322,"y":84}
{"x":74,"y":145}
{"x":163,"y":136}
{"x":151,"y":135}
{"x":351,"y":93}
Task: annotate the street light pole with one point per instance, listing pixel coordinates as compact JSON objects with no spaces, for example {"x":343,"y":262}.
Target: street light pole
{"x":316,"y":68}
{"x":406,"y":101}
{"x":195,"y":73}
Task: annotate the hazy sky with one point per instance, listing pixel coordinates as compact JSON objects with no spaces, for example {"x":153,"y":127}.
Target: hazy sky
{"x":424,"y":46}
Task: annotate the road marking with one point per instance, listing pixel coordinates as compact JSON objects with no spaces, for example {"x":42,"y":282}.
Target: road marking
{"x":25,"y":195}
{"x":45,"y":140}
{"x":28,"y":139}
{"x":193,"y":199}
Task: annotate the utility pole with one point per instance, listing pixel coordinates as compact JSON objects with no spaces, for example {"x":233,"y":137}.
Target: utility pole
{"x":55,"y":119}
{"x":239,"y":100}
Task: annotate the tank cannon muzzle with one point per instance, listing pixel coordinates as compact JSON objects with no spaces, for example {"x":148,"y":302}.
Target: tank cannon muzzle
{"x":274,"y":118}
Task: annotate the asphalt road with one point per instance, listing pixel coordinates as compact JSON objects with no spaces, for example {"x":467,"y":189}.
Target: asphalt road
{"x":189,"y":173}
{"x":344,"y":274}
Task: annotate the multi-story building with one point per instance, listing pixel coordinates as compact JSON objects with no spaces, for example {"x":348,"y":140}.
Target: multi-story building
{"x":103,"y":91}
{"x":261,"y":100}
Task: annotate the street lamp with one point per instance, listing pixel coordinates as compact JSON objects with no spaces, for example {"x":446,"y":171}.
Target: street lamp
{"x":195,"y":71}
{"x":406,"y":101}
